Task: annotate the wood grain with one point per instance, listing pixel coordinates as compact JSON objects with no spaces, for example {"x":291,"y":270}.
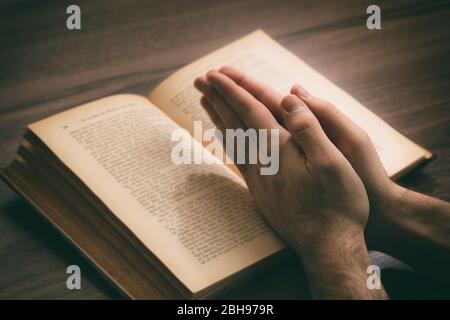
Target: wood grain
{"x":399,"y":72}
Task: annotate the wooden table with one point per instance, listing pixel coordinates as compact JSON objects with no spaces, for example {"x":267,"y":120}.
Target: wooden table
{"x":400,"y":72}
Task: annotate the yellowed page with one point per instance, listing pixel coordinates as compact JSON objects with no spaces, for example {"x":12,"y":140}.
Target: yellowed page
{"x":266,"y":60}
{"x":199,"y":220}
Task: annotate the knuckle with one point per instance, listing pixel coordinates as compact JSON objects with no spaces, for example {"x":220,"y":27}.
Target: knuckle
{"x":213,"y":97}
{"x":302,"y":124}
{"x":331,"y":107}
{"x":260,"y":94}
{"x":325,"y":164}
{"x":242,"y":110}
{"x":242,"y":80}
{"x":363,"y":135}
{"x":360,"y":140}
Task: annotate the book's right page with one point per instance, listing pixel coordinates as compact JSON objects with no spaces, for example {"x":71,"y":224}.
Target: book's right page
{"x":266,"y":60}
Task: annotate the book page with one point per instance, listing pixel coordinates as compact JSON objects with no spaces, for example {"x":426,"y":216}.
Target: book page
{"x":199,"y":220}
{"x":264,"y":59}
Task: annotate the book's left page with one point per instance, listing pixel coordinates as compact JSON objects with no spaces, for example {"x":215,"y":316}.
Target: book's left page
{"x":199,"y":220}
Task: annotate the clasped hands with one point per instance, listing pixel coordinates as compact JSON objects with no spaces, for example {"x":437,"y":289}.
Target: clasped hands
{"x":330,"y":177}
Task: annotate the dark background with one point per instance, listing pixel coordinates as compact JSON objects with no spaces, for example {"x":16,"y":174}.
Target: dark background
{"x":400,"y":72}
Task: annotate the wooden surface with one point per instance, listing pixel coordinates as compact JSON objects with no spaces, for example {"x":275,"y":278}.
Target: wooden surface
{"x":400,"y":72}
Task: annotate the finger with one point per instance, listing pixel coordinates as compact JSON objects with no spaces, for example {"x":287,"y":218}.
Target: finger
{"x":346,"y":135}
{"x":218,"y":123}
{"x":263,"y":93}
{"x":202,"y":85}
{"x":251,"y":111}
{"x":227,"y":117}
{"x":212,"y":114}
{"x":226,"y":114}
{"x":305,"y":128}
{"x":336,"y":124}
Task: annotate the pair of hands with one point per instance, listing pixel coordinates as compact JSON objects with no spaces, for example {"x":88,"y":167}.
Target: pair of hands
{"x":329,"y":177}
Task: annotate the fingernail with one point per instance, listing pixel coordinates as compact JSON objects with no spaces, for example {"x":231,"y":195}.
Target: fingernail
{"x":204,"y":102}
{"x":292,"y":103}
{"x":301,"y":92}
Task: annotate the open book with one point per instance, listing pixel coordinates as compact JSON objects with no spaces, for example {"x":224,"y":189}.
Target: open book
{"x":101,"y":173}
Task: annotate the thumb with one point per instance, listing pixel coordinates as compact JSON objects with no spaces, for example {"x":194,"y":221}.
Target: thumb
{"x":339,"y":128}
{"x":304,"y":127}
{"x":347,"y":136}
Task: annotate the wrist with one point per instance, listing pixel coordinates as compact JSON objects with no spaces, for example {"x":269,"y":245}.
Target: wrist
{"x":338,"y":270}
{"x":332,"y":251}
{"x":383,"y":213}
{"x":326,"y":237}
{"x":335,"y":253}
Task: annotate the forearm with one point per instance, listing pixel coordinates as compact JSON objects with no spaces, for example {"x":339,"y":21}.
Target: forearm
{"x":337,"y":270}
{"x":416,"y":230}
